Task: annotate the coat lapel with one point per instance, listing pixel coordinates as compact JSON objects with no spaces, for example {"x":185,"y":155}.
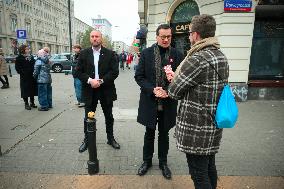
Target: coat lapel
{"x":102,"y":57}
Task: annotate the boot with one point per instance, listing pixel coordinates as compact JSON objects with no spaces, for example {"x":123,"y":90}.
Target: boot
{"x":84,"y":145}
{"x":27,"y":106}
{"x":5,"y":86}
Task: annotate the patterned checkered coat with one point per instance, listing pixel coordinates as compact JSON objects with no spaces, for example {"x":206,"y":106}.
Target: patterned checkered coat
{"x":198,"y":87}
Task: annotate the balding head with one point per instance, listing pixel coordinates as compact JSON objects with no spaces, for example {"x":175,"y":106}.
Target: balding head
{"x":96,"y":38}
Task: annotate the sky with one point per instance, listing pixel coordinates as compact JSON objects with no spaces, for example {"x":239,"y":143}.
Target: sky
{"x":122,"y":14}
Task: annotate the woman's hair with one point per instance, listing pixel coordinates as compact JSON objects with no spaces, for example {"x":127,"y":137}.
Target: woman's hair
{"x":22,"y":49}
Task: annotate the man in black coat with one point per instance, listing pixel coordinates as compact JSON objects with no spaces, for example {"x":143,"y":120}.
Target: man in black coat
{"x":155,"y":106}
{"x":97,"y":69}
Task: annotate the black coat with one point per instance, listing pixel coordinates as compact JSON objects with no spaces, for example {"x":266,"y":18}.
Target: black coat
{"x":108,"y":71}
{"x":145,"y":77}
{"x":25,"y":67}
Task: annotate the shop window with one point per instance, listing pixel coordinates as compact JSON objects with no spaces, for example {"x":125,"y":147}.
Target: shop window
{"x":267,"y":55}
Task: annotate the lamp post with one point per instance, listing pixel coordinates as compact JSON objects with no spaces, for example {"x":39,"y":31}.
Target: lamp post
{"x":69,"y":18}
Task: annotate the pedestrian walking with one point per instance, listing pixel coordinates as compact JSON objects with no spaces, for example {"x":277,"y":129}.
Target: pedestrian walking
{"x":97,"y":70}
{"x":154,"y":106}
{"x":198,"y":86}
{"x":3,"y":71}
{"x":24,"y":66}
{"x":77,"y":83}
{"x":122,"y":59}
{"x":43,"y":77}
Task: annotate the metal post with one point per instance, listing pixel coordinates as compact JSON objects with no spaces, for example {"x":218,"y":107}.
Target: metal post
{"x":69,"y":17}
{"x":93,"y":163}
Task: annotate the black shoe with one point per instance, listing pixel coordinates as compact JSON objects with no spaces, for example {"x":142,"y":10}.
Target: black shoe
{"x":32,"y":105}
{"x":84,"y":146}
{"x":166,"y":171}
{"x":5,"y":86}
{"x":113,"y":143}
{"x":27,"y":107}
{"x":144,"y":168}
{"x":42,"y":109}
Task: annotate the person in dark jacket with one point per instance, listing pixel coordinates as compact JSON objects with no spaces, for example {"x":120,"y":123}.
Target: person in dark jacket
{"x":43,"y":76}
{"x":154,"y":105}
{"x":198,"y":86}
{"x":97,"y":70}
{"x":77,"y":83}
{"x":24,"y":66}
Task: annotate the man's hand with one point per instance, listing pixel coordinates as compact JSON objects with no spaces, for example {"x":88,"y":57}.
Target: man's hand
{"x":169,"y":72}
{"x":95,"y":83}
{"x":160,"y":92}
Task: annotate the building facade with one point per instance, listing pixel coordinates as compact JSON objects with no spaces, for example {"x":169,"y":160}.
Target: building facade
{"x":238,"y":33}
{"x":46,"y":23}
{"x":78,"y":30}
{"x":103,"y":25}
{"x":119,"y":46}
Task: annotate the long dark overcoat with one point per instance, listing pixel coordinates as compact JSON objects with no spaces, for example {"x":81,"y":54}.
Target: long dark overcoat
{"x":145,"y":77}
{"x":25,"y":67}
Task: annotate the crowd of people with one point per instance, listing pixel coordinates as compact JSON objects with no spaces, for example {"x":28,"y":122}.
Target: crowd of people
{"x":164,"y":77}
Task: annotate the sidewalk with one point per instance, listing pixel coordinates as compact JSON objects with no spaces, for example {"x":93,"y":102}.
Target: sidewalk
{"x":41,"y":148}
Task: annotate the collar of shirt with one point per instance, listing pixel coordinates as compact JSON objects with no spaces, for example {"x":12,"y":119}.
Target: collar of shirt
{"x":96,"y":51}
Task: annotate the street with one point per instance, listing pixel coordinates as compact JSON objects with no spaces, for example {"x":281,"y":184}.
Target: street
{"x":44,"y":145}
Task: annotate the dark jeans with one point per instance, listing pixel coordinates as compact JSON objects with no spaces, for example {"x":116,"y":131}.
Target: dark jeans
{"x":163,"y":142}
{"x":203,"y":171}
{"x":45,"y":95}
{"x":107,"y":110}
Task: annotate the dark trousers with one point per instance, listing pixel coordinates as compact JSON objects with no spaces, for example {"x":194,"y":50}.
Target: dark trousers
{"x":163,"y":141}
{"x":107,"y":110}
{"x":6,"y":80}
{"x":202,"y":170}
{"x":26,"y":100}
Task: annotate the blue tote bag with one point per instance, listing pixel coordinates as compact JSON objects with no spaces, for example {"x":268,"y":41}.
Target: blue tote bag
{"x":227,"y":109}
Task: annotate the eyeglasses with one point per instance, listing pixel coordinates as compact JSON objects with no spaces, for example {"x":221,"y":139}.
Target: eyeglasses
{"x":163,"y":37}
{"x":190,"y":32}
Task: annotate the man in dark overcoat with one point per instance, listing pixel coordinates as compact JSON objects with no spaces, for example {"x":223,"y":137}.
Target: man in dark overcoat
{"x":154,"y":105}
{"x":97,"y":69}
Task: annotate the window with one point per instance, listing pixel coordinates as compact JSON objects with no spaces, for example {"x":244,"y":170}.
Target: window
{"x":28,"y":27}
{"x":13,"y":25}
{"x":267,"y":54}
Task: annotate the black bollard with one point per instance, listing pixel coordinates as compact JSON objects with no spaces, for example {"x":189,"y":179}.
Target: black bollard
{"x":93,"y":163}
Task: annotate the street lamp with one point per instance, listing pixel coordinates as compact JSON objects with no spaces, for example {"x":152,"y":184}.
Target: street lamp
{"x":69,"y":17}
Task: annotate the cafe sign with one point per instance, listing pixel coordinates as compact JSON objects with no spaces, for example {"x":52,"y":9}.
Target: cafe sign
{"x":237,"y":5}
{"x":182,"y":27}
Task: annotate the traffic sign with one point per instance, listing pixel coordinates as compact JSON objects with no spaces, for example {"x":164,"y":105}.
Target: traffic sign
{"x":21,"y":34}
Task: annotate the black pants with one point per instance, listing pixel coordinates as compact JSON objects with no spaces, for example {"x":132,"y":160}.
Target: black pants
{"x":163,"y":141}
{"x":107,"y":110}
{"x":32,"y":100}
{"x":6,"y":80}
{"x":203,"y":171}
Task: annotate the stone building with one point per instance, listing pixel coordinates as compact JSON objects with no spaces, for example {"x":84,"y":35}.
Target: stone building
{"x":46,"y":23}
{"x":251,"y":38}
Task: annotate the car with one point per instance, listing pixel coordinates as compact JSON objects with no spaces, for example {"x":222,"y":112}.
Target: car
{"x":10,"y":59}
{"x":61,"y":62}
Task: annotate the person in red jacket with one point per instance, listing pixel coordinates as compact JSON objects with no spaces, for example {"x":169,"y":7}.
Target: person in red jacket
{"x":129,"y":59}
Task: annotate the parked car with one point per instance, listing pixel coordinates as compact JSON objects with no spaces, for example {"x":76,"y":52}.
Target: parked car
{"x":61,"y":62}
{"x":10,"y":59}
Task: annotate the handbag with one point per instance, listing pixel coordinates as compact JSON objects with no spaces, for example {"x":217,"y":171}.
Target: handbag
{"x":227,"y":110}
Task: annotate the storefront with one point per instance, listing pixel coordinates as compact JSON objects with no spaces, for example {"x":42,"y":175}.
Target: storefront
{"x":243,"y":33}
